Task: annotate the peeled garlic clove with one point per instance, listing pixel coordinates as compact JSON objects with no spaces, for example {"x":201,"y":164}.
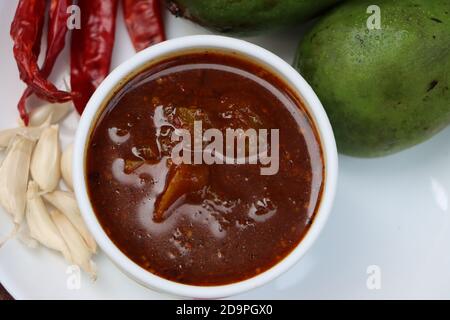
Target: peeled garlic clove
{"x":56,"y":112}
{"x":6,"y":136}
{"x":67,"y":204}
{"x":14,"y":177}
{"x":42,"y":228}
{"x":80,"y":253}
{"x":24,"y":236}
{"x":31,"y":133}
{"x":46,"y":159}
{"x":66,"y":166}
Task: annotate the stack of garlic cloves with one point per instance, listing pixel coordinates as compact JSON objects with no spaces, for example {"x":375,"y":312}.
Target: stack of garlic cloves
{"x":30,"y":174}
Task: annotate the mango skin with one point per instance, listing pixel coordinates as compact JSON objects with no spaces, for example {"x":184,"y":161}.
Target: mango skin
{"x":384,"y":90}
{"x":247,"y":16}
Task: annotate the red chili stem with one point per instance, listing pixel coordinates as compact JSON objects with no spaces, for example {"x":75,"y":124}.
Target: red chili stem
{"x":56,"y":35}
{"x":26,"y":29}
{"x":91,"y":48}
{"x":144,"y":22}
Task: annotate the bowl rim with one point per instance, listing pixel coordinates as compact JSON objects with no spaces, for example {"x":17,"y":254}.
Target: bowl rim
{"x":167,"y":48}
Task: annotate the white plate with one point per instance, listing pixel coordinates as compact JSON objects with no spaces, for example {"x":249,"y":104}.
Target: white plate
{"x":391,"y":217}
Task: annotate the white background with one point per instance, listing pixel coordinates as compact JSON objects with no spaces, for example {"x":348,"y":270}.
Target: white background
{"x":391,"y":212}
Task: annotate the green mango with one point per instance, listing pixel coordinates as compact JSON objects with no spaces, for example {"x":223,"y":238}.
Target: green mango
{"x":385,"y":89}
{"x":247,"y":16}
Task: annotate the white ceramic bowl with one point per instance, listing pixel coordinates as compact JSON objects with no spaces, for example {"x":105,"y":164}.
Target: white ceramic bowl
{"x":169,"y":48}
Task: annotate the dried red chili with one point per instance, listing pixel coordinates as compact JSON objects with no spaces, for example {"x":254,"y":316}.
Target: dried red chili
{"x":57,"y":31}
{"x":144,"y":22}
{"x":91,"y":48}
{"x":26,"y":30}
{"x":39,"y":15}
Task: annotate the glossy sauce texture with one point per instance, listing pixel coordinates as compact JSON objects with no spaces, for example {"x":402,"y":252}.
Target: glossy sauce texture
{"x":229,"y":222}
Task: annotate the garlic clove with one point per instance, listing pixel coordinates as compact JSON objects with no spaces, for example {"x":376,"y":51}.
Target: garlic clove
{"x":67,"y":204}
{"x":6,"y":136}
{"x":66,"y":166}
{"x":80,"y":253}
{"x":25,"y":237}
{"x":40,"y":224}
{"x":14,"y":177}
{"x":46,"y":159}
{"x":30,"y":132}
{"x":56,"y":112}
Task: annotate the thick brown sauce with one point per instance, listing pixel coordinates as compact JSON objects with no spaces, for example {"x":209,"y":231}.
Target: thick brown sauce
{"x":238,"y":223}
